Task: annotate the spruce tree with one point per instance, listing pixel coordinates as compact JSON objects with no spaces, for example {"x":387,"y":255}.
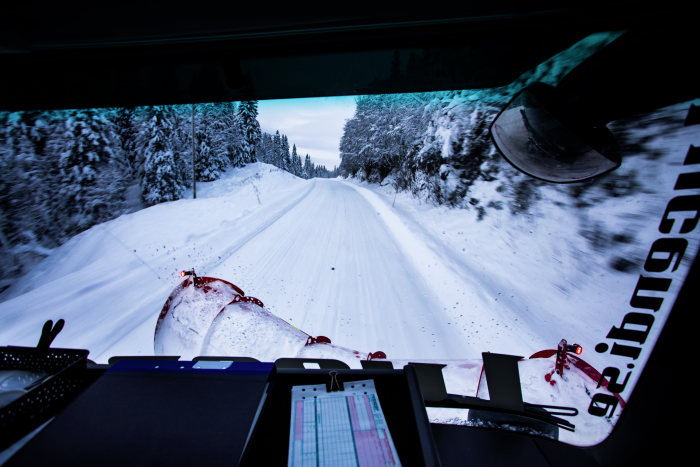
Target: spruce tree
{"x":125,"y":126}
{"x":160,"y":176}
{"x":211,"y":159}
{"x":263,"y":150}
{"x":90,"y":174}
{"x":277,"y":156}
{"x":250,"y":129}
{"x":308,"y":167}
{"x":284,"y":154}
{"x":231,"y":133}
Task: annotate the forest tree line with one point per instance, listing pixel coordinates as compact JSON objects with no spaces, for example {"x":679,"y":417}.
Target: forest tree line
{"x":63,"y":171}
{"x":437,"y":145}
{"x":433,"y":144}
{"x":274,"y":149}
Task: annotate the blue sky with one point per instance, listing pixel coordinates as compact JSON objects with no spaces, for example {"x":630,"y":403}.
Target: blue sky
{"x":314,"y":124}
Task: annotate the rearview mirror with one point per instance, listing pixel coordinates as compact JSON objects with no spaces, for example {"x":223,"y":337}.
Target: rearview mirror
{"x":541,"y":137}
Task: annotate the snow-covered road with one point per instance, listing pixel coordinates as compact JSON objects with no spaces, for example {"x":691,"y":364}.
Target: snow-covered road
{"x":331,"y":266}
{"x":329,"y":257}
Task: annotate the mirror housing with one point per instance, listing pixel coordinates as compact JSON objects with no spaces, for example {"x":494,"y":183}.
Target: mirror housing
{"x":543,"y":137}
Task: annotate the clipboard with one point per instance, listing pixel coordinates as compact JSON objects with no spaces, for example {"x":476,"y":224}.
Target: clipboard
{"x":397,"y":391}
{"x":339,"y":427}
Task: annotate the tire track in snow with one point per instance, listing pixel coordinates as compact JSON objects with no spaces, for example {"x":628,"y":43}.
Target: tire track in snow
{"x":250,"y":233}
{"x":453,"y":282}
{"x":330,"y":267}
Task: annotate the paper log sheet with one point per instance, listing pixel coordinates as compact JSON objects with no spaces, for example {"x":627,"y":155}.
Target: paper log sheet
{"x":342,"y":428}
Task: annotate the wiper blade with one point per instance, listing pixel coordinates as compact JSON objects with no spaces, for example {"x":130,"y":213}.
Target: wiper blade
{"x":556,"y":409}
{"x":535,"y":411}
{"x":503,"y":381}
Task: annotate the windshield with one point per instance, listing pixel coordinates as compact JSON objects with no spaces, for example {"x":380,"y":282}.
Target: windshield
{"x":386,"y":223}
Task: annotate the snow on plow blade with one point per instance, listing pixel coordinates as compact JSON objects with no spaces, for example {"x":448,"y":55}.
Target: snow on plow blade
{"x":209,"y":316}
{"x":188,"y":313}
{"x":246,"y":329}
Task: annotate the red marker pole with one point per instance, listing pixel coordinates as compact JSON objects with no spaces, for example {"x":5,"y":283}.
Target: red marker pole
{"x":561,"y":357}
{"x":562,"y":349}
{"x":190,"y":273}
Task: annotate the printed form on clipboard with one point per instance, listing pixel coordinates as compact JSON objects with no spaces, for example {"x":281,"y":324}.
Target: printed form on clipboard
{"x":339,"y":428}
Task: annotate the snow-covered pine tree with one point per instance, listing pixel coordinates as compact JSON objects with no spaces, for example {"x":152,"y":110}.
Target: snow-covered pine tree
{"x":250,"y":129}
{"x":277,"y":155}
{"x":211,"y":159}
{"x":219,"y":129}
{"x":264,"y":149}
{"x":383,"y":137}
{"x":126,"y":129}
{"x":161,"y":181}
{"x":182,"y":141}
{"x":231,"y":133}
{"x":354,"y":138}
{"x":28,"y":190}
{"x":284,"y":154}
{"x":10,"y":132}
{"x":308,"y":168}
{"x":296,"y":167}
{"x":91,"y":177}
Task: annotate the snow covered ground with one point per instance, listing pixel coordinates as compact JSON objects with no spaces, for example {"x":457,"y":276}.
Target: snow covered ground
{"x":326,"y":255}
{"x":369,"y":268}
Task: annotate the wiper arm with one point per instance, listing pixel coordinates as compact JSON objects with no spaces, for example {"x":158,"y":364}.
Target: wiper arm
{"x":529,"y":410}
{"x":503,"y":380}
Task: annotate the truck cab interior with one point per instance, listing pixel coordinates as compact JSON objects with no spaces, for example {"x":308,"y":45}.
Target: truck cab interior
{"x":91,"y":55}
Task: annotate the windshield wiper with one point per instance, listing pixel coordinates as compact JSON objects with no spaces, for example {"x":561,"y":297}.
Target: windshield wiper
{"x":503,"y":380}
{"x":544,"y":413}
